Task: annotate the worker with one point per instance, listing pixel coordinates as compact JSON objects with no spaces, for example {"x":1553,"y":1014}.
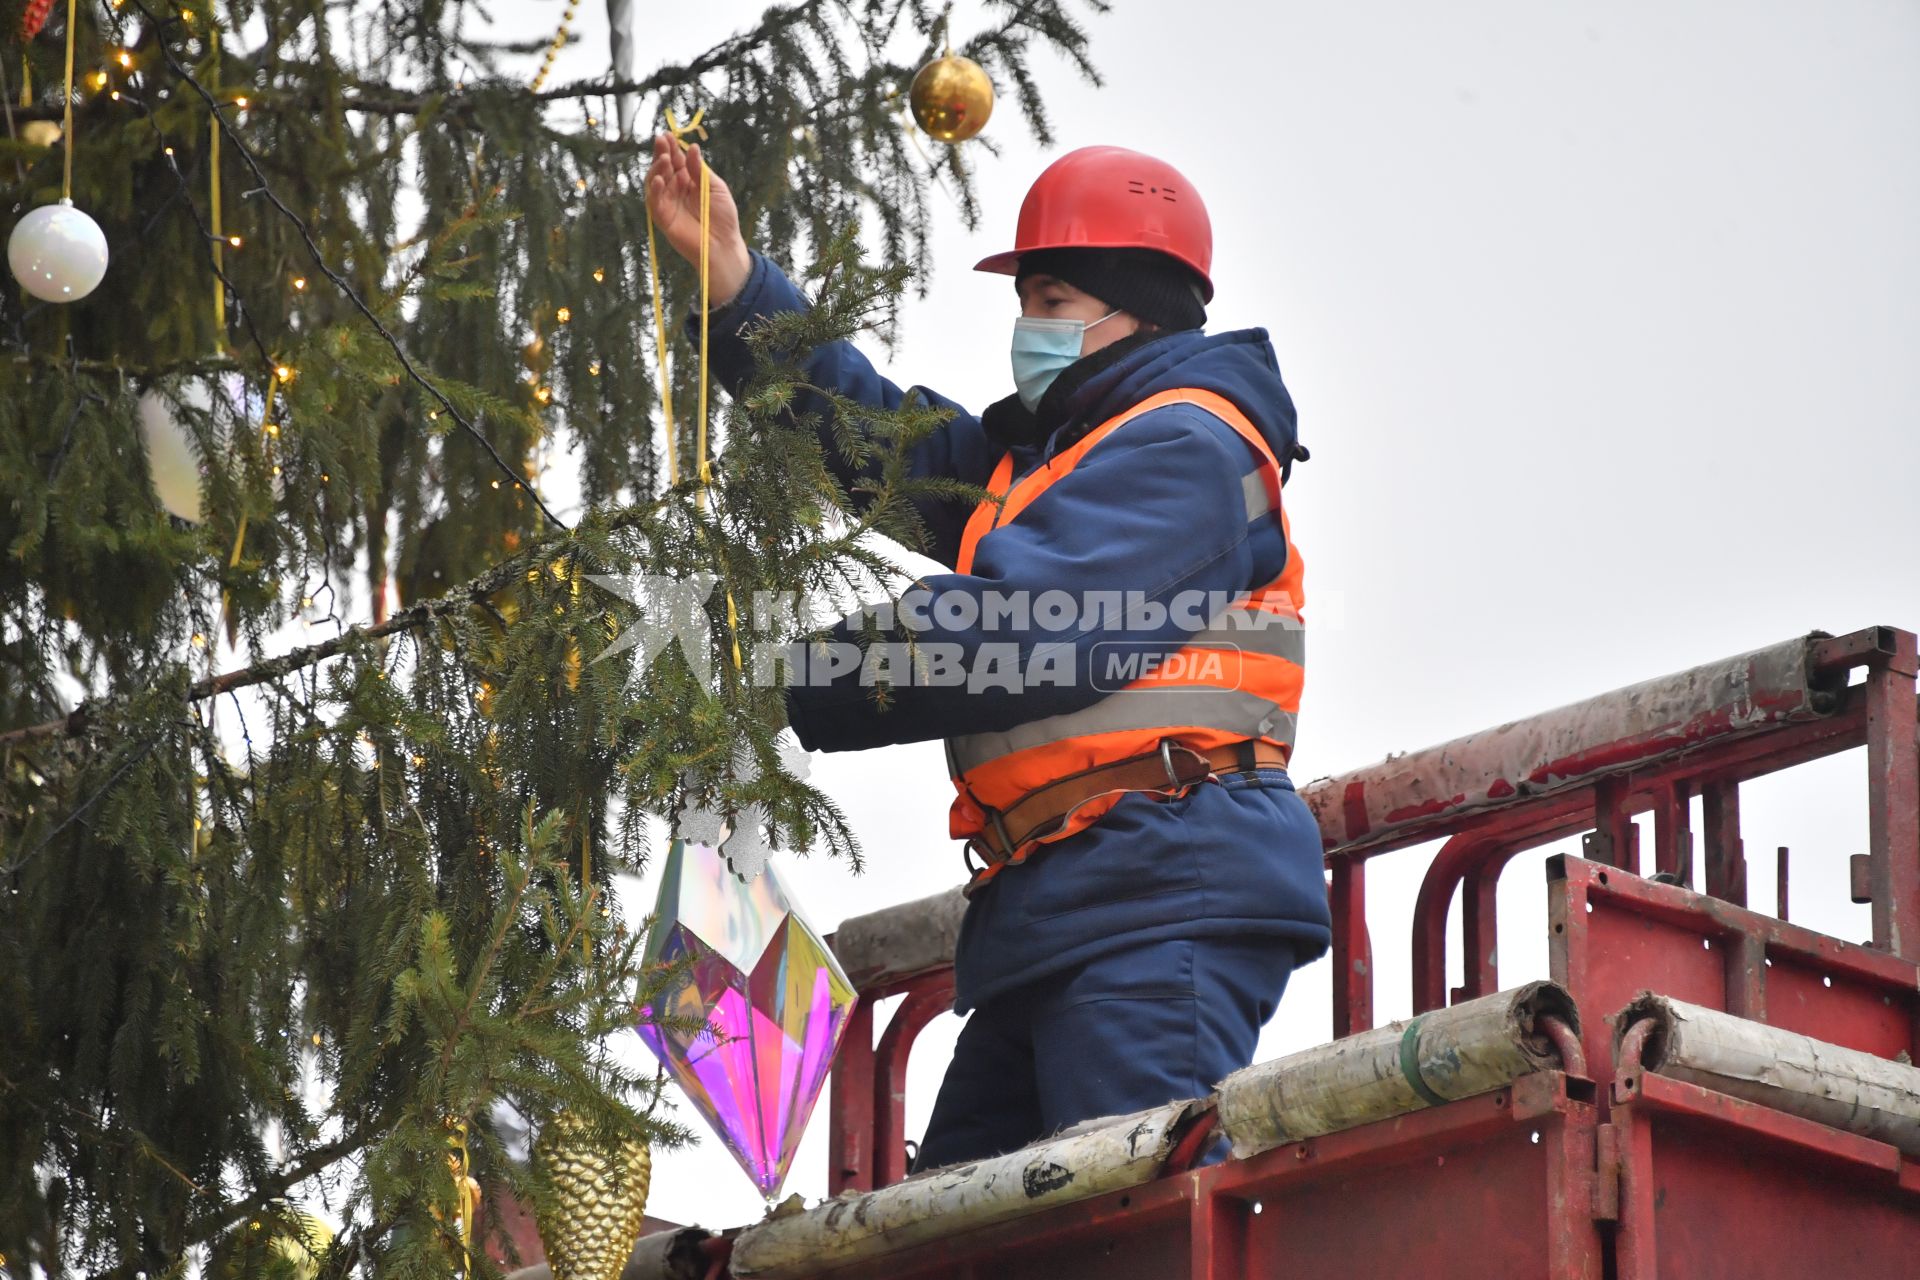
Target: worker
{"x":1146,"y":878}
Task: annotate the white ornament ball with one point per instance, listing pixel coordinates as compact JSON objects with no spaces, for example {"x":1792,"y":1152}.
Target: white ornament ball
{"x":171,"y":456}
{"x":58,"y":254}
{"x":40,"y":133}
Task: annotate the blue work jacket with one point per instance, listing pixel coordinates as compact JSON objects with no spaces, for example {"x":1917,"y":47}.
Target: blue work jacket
{"x":1154,"y":507}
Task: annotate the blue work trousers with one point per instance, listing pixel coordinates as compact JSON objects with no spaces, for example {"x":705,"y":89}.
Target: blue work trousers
{"x":1126,"y":1031}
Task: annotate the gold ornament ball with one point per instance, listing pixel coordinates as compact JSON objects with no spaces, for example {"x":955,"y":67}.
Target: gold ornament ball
{"x":951,"y":98}
{"x":40,"y":133}
{"x":292,"y":1236}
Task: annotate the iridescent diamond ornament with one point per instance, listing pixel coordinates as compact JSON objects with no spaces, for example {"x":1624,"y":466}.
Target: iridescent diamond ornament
{"x":762,"y":1001}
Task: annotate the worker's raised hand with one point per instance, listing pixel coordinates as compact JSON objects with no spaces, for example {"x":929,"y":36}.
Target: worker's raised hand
{"x":673,"y":195}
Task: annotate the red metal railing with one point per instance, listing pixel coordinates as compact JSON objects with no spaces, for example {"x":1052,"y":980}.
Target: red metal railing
{"x":1587,"y":768}
{"x":867,"y":1146}
{"x":1710,"y":758}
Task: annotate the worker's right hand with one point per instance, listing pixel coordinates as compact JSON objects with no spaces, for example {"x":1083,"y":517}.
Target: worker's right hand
{"x":673,"y":196}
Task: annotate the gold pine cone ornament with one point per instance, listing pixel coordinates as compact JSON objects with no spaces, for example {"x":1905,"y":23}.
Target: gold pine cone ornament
{"x":951,"y":98}
{"x":599,"y":1199}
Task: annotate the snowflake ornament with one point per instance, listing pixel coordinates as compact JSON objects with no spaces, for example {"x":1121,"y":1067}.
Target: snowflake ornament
{"x":701,"y":826}
{"x":745,"y":846}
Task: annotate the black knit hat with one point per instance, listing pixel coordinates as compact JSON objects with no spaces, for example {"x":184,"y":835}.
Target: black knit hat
{"x":1144,"y":283}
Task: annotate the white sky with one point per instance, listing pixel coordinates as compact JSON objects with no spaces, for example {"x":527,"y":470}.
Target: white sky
{"x":1601,"y":320}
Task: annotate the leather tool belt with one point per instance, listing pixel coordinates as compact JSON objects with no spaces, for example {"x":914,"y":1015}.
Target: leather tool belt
{"x":1168,"y":771}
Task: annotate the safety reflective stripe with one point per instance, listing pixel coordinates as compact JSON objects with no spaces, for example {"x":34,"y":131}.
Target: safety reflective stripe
{"x":1153,"y":707}
{"x":1275,"y":637}
{"x":1253,"y":487}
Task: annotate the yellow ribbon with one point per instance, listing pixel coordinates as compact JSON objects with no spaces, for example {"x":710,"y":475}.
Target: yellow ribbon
{"x":240,"y":535}
{"x":679,"y":132}
{"x":466,"y":1192}
{"x":706,"y":302}
{"x":66,"y":142}
{"x":703,"y":469}
{"x":660,"y":350}
{"x":219,"y":233}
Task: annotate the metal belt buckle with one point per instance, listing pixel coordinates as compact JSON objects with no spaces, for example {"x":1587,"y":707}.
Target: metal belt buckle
{"x":1166,"y":762}
{"x":966,"y":859}
{"x":975,"y":845}
{"x":1000,"y":829}
{"x":1174,"y":781}
{"x":989,"y":860}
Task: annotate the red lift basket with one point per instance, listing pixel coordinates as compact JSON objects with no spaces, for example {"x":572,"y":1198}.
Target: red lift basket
{"x":1612,"y":1148}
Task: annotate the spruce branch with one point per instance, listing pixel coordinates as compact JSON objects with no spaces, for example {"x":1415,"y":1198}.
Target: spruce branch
{"x":519,"y":881}
{"x":374,"y":98}
{"x":196,"y":366}
{"x":773,"y":24}
{"x":204,"y":1229}
{"x":474,"y":592}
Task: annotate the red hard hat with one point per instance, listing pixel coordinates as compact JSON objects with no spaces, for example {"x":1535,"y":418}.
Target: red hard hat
{"x":1112,"y":198}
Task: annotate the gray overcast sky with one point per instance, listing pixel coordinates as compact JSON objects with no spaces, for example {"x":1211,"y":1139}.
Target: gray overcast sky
{"x":1601,"y":319}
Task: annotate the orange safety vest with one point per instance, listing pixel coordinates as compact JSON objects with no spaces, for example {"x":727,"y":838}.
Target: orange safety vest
{"x":1238,"y":679}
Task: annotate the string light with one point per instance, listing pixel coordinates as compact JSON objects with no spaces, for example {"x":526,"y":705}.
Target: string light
{"x":241,"y":102}
{"x":166,"y":151}
{"x":234,"y":241}
{"x":553,"y":49}
{"x":99,"y":79}
{"x":496,"y":484}
{"x":599,"y":274}
{"x":594,"y":368}
{"x":199,"y":642}
{"x":543,"y":395}
{"x":563,"y":315}
{"x":284,"y":372}
{"x":124,"y":58}
{"x":299,"y":282}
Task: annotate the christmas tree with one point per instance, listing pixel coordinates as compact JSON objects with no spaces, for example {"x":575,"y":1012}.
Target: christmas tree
{"x":299,"y":881}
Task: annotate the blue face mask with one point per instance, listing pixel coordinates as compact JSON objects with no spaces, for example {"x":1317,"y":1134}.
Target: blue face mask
{"x":1041,"y":349}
